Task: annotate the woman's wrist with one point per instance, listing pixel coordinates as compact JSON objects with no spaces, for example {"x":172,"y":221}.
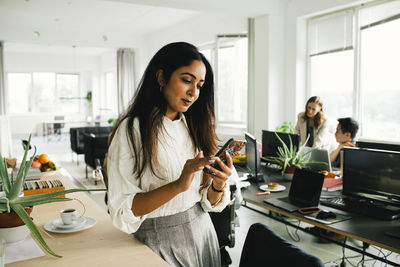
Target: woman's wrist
{"x":218,"y":188}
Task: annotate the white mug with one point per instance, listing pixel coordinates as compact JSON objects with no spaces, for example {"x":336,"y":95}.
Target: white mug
{"x":68,"y":216}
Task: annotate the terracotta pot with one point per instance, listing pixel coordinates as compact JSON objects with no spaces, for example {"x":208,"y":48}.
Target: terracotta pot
{"x":12,"y":219}
{"x":290,"y":169}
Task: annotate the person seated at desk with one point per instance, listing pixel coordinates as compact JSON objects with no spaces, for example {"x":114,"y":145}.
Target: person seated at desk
{"x":156,"y":185}
{"x":346,"y":131}
{"x":313,"y":123}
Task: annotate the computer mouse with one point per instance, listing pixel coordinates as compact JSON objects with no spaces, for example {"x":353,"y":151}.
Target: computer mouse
{"x":323,"y":215}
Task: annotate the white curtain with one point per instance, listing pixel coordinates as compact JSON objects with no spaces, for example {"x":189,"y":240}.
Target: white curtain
{"x":125,"y":77}
{"x":5,"y":131}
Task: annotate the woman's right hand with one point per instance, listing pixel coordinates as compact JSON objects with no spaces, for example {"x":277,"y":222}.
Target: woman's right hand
{"x":191,"y":167}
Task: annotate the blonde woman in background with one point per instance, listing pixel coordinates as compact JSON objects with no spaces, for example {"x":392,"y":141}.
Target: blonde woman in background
{"x":313,"y":122}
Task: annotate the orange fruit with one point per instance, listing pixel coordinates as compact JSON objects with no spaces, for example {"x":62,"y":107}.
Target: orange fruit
{"x":44,"y":158}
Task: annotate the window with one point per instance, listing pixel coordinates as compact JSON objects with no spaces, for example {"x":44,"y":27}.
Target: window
{"x":108,"y":98}
{"x":332,"y":83}
{"x":353,"y":58}
{"x":229,"y":58}
{"x":43,"y":92}
{"x":380,"y":81}
{"x":19,"y":89}
{"x":68,"y":85}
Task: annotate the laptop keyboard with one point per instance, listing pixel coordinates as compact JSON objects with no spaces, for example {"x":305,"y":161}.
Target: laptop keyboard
{"x":365,"y":207}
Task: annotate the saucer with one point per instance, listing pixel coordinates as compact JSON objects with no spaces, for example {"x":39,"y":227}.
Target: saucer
{"x":59,"y":223}
{"x":264,"y":187}
{"x":51,"y":227}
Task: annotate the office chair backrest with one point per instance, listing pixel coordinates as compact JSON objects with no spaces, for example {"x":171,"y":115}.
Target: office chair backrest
{"x":263,"y":247}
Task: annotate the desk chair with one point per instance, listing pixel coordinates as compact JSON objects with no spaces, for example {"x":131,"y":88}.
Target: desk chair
{"x":224,"y":224}
{"x":263,"y":247}
{"x":25,"y":144}
{"x":58,"y":126}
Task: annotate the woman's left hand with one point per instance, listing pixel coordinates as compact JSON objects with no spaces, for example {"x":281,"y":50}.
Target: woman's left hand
{"x":219,"y":177}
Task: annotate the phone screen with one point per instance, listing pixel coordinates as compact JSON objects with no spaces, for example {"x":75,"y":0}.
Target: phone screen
{"x":232,"y":147}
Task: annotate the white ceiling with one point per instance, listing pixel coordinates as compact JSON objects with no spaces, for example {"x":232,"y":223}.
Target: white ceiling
{"x":82,"y":22}
{"x":107,"y":23}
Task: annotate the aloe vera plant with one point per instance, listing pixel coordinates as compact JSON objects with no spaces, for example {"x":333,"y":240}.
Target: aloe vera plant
{"x":291,"y":156}
{"x":12,"y":201}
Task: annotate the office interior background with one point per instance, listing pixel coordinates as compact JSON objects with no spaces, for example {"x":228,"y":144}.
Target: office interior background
{"x":60,"y":58}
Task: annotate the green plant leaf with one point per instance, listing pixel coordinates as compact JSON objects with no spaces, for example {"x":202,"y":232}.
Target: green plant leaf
{"x":43,"y":201}
{"x":32,"y":227}
{"x":23,"y":170}
{"x":4,"y":175}
{"x":52,"y":194}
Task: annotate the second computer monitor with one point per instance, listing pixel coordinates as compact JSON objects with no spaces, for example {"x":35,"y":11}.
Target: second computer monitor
{"x":270,"y":142}
{"x":253,"y":164}
{"x":377,"y":145}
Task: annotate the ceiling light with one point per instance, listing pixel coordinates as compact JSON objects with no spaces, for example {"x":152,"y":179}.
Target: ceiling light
{"x":105,"y":38}
{"x":36,"y":33}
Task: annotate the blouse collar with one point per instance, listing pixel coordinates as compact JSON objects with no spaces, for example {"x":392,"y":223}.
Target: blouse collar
{"x":181,"y":118}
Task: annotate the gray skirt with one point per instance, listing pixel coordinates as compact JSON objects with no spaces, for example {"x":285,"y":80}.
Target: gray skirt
{"x":183,"y":239}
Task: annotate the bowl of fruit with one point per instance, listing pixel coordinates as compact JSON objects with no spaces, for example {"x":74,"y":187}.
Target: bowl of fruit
{"x":44,"y":163}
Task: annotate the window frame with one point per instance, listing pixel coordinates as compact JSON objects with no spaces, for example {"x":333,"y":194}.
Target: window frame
{"x":214,"y":48}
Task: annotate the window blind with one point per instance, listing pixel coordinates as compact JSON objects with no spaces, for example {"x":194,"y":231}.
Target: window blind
{"x":331,"y":33}
{"x":378,"y":14}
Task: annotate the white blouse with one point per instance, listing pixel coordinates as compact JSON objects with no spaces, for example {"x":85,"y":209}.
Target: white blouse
{"x":174,"y":148}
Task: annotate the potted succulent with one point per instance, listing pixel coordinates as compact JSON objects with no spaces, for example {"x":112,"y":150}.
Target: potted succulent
{"x":12,"y":201}
{"x":290,"y":157}
{"x":286,"y":127}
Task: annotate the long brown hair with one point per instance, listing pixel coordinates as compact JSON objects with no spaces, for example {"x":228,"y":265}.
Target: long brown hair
{"x":149,"y":106}
{"x":319,"y":117}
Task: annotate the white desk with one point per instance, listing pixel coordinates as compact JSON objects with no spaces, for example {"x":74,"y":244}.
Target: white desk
{"x":101,"y":245}
{"x":48,"y":125}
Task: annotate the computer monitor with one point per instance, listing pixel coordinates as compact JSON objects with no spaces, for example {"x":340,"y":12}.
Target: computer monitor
{"x":253,"y":164}
{"x":372,"y":174}
{"x":376,"y":145}
{"x":270,"y":142}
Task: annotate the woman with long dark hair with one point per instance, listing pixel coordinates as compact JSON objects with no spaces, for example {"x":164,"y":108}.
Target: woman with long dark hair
{"x":312,"y":123}
{"x":158,"y":150}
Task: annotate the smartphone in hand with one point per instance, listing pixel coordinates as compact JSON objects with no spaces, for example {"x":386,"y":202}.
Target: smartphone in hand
{"x":232,"y":147}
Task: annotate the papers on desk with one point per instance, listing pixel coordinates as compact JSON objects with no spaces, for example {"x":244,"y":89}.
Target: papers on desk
{"x":243,"y":178}
{"x":243,"y":184}
{"x":331,"y":184}
{"x":339,"y":218}
{"x":22,"y":250}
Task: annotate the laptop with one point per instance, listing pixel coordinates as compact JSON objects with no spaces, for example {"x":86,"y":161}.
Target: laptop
{"x":321,"y":158}
{"x":305,"y":191}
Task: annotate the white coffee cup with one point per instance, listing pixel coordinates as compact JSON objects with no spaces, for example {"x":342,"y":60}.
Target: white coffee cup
{"x":68,"y":216}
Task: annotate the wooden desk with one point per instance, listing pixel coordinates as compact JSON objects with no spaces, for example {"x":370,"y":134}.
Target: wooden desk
{"x":366,"y":229}
{"x":101,"y":245}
